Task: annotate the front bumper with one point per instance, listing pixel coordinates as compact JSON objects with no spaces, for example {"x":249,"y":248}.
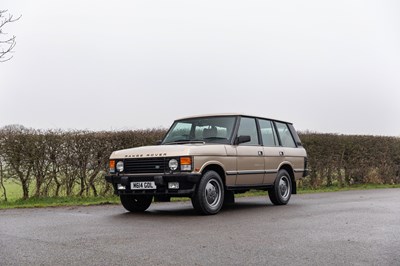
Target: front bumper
{"x":187,"y":184}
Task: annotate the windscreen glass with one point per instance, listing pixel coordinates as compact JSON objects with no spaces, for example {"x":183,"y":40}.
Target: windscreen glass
{"x":204,"y":129}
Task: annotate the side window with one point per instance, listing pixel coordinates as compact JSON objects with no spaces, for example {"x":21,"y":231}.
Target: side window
{"x":267,"y":133}
{"x":285,"y":135}
{"x":248,"y":127}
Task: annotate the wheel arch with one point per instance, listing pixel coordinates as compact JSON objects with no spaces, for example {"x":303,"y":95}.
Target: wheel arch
{"x":289,"y":169}
{"x":217,"y":168}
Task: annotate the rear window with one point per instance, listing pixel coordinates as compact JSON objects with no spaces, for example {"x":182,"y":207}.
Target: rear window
{"x":285,"y":135}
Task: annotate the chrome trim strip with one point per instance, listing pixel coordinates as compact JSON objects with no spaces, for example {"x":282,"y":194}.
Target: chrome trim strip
{"x":231,"y":172}
{"x":251,"y":172}
{"x":271,"y":171}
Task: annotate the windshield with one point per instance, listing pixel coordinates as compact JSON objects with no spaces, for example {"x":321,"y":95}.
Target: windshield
{"x":203,"y":129}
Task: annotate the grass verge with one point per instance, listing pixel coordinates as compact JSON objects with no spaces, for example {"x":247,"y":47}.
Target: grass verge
{"x":90,"y":201}
{"x":58,"y":201}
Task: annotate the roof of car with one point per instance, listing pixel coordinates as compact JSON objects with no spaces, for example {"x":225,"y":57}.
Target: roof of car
{"x":230,"y":114}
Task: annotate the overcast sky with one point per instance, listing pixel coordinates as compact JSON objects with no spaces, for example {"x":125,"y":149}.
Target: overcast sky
{"x":326,"y":66}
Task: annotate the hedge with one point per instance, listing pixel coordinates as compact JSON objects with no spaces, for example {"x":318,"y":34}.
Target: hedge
{"x":73,"y":163}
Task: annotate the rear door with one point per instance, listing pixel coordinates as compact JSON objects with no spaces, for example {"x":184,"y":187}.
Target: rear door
{"x":272,"y":150}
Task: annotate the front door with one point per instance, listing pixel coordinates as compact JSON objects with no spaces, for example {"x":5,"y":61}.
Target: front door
{"x":250,"y":159}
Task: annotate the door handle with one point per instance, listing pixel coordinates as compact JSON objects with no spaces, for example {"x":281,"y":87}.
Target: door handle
{"x":260,"y":153}
{"x":281,"y":153}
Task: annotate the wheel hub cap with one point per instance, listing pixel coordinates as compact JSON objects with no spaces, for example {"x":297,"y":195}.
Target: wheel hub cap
{"x":284,"y":187}
{"x":212,"y":193}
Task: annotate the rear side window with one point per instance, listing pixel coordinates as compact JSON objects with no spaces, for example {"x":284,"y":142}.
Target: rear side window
{"x":285,"y":135}
{"x":248,"y":127}
{"x":267,"y":133}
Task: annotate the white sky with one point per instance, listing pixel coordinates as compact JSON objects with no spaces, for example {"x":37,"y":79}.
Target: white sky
{"x":326,"y":66}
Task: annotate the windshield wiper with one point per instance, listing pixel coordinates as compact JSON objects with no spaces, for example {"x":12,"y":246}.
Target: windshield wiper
{"x":216,"y":138}
{"x":182,"y":141}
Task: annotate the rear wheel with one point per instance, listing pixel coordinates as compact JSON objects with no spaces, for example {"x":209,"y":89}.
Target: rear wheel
{"x":135,"y":203}
{"x":282,"y":190}
{"x":209,"y":195}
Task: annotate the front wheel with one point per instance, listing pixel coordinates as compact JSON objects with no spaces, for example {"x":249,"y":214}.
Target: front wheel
{"x":209,"y":195}
{"x":135,"y":203}
{"x":282,"y":190}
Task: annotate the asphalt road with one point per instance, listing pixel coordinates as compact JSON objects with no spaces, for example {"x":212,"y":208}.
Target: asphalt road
{"x":342,"y":228}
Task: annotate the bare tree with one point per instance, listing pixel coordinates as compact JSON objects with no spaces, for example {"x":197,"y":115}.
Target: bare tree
{"x":98,"y":161}
{"x":7,"y":44}
{"x":40,"y":161}
{"x":55,"y":142}
{"x":2,"y":171}
{"x":2,"y":167}
{"x":68,"y":169}
{"x":17,"y":154}
{"x":82,"y":149}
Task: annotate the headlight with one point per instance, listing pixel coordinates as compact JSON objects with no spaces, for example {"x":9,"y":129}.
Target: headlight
{"x":120,"y":166}
{"x":173,"y":164}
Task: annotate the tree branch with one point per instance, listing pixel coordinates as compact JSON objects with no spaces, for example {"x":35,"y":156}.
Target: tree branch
{"x":9,"y":43}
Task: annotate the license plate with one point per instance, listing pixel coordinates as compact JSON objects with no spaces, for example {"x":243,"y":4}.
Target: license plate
{"x":143,"y":185}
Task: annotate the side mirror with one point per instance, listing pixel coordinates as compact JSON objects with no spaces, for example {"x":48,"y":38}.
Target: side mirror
{"x":242,"y":139}
{"x":158,"y":142}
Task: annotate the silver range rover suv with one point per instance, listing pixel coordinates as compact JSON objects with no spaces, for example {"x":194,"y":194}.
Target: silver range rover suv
{"x":210,"y":159}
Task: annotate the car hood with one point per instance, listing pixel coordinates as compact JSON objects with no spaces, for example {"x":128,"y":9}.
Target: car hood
{"x":170,"y":151}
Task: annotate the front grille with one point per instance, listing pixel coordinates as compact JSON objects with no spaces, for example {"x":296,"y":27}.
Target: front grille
{"x":144,"y":165}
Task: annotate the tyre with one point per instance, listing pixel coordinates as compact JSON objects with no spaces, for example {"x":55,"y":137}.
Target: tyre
{"x":209,"y":195}
{"x":282,"y":190}
{"x":135,"y":203}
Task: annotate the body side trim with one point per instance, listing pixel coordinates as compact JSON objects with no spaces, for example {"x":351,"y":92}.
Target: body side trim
{"x":251,"y":172}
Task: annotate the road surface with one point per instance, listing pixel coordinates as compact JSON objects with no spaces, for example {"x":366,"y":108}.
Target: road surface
{"x":341,"y":228}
